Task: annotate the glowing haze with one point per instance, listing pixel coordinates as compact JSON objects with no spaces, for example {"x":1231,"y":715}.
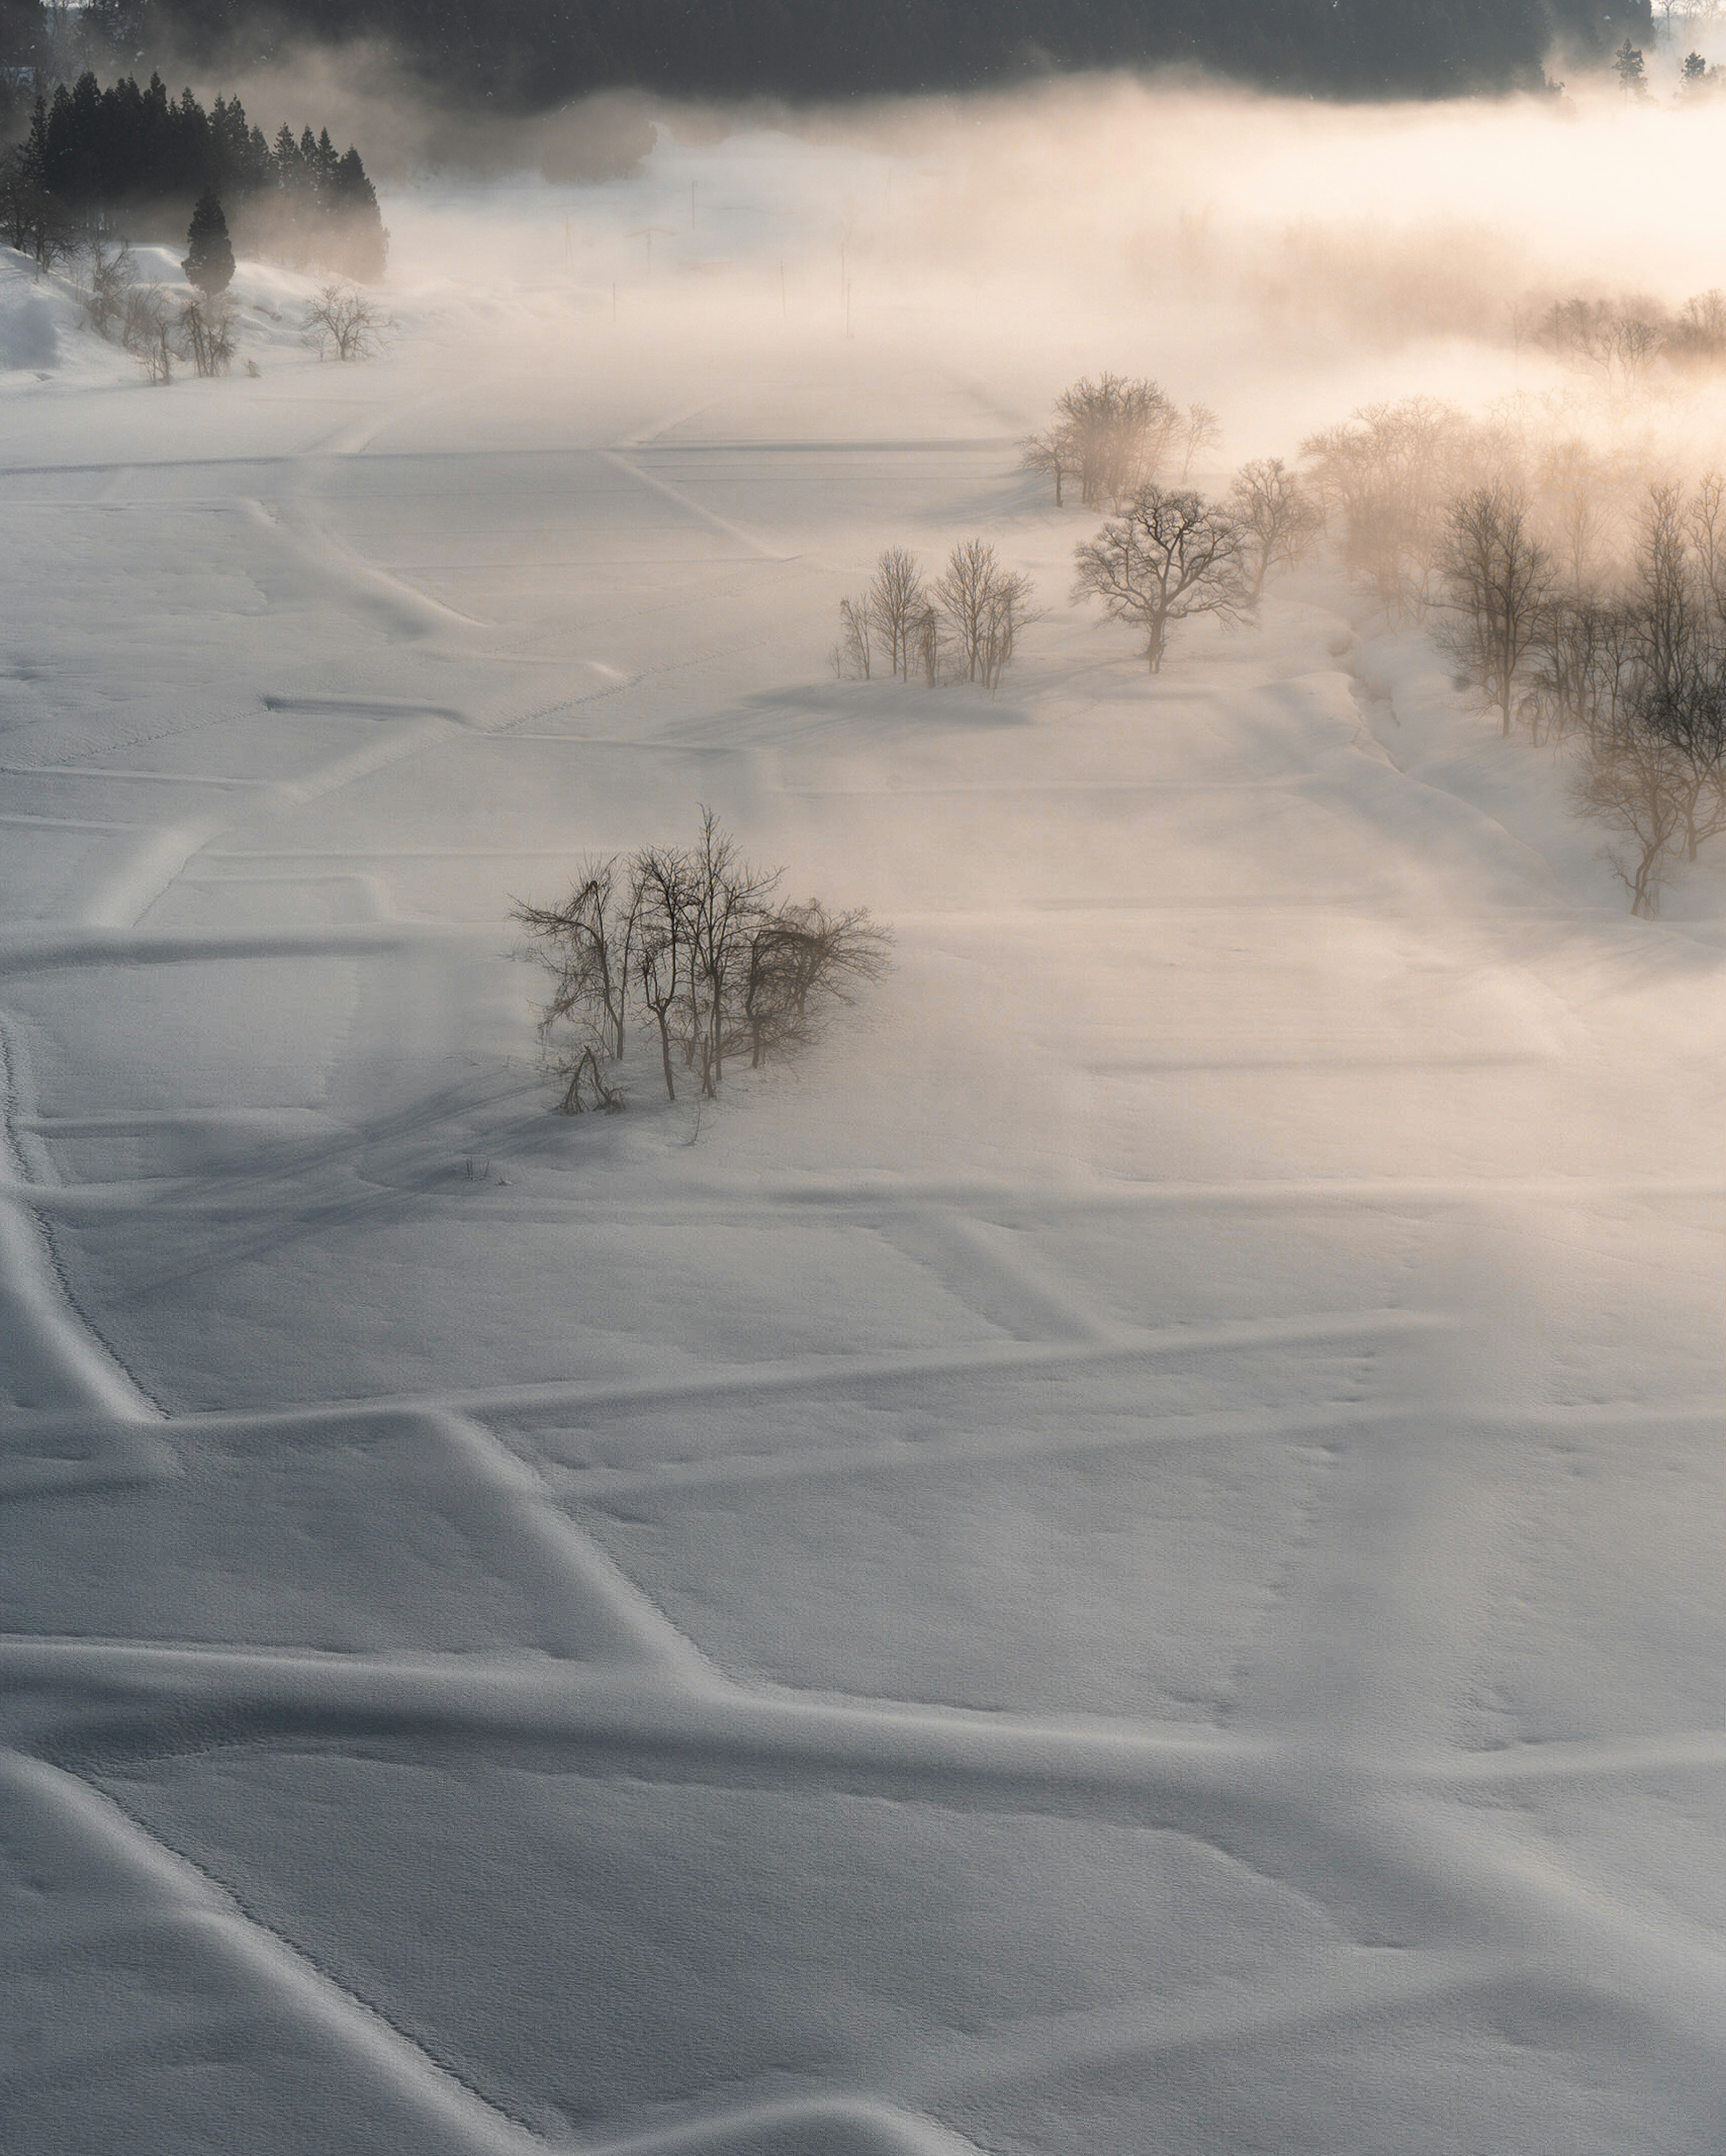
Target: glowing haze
{"x":1283,"y":261}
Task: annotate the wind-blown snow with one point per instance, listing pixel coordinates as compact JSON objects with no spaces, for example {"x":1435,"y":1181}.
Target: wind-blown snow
{"x":1126,"y":1559}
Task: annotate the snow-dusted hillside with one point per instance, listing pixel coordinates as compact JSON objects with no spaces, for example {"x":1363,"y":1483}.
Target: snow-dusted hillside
{"x":1126,"y":1559}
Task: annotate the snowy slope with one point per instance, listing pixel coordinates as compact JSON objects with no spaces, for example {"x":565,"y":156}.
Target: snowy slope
{"x":1126,"y":1559}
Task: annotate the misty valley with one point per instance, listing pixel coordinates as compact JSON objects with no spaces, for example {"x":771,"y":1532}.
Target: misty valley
{"x":861,"y":1017}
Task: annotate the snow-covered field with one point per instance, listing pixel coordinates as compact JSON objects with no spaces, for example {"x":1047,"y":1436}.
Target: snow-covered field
{"x":1125,"y":1560}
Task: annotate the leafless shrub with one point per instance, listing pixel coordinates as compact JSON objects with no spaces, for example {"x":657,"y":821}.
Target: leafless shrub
{"x":696,"y":938}
{"x":1279,"y":520}
{"x":206,"y":332}
{"x":803,"y":961}
{"x":344,"y":321}
{"x":144,"y":331}
{"x":1171,"y":556}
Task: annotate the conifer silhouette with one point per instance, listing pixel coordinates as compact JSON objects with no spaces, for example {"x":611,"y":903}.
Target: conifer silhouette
{"x":209,"y":261}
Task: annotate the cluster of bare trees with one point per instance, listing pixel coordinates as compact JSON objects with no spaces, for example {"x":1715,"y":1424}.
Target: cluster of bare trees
{"x":1384,"y":481}
{"x":1114,"y":435}
{"x":163,"y":332}
{"x":1620,"y":341}
{"x":965,"y":623}
{"x":159,"y":331}
{"x":696,"y":942}
{"x":1636,"y":674}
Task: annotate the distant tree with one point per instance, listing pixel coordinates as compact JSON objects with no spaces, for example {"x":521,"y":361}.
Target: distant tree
{"x":1632,"y":779}
{"x":984,"y":606}
{"x":1388,"y":477}
{"x":209,"y":256}
{"x":1627,"y":66}
{"x":1050,"y":452}
{"x":1198,"y":429}
{"x":1697,"y":337}
{"x":854,"y":652}
{"x":1118,"y":431}
{"x":341,"y":319}
{"x":1496,"y":577}
{"x":1171,"y":556}
{"x":1279,"y":520}
{"x":896,"y":603}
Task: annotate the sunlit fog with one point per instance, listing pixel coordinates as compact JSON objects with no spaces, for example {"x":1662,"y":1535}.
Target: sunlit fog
{"x":860,"y":1017}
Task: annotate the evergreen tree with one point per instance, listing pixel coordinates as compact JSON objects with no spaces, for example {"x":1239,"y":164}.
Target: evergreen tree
{"x":209,"y":263}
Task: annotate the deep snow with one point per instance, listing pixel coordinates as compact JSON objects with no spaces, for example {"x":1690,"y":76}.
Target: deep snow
{"x":1126,"y":1559}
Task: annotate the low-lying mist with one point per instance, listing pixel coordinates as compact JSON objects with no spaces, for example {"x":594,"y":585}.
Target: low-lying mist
{"x":1283,"y":261}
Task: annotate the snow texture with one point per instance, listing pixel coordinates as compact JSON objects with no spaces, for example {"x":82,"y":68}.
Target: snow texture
{"x":1126,"y":1559}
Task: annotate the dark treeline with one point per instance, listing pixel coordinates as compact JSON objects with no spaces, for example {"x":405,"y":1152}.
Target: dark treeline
{"x":528,"y":55}
{"x":132,"y":161}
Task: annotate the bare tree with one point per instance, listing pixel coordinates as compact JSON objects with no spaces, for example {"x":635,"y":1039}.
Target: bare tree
{"x":344,"y":321}
{"x":853,"y":652}
{"x":1698,"y":337}
{"x":144,"y":331}
{"x":896,"y":602}
{"x":110,"y":277}
{"x":726,"y":899}
{"x":1172,"y":556}
{"x":1387,"y":477}
{"x":1111,"y":434}
{"x":1495,"y":578}
{"x":1631,"y":781}
{"x":984,"y":606}
{"x":1570,"y":482}
{"x":1579,"y":659}
{"x":1051,"y":452}
{"x":661,"y":880}
{"x":1280,"y":519}
{"x":206,"y":328}
{"x":929,"y":645}
{"x":586,"y":945}
{"x":803,"y":960}
{"x":1705,"y":523}
{"x":1199,"y":428}
{"x":1009,"y":608}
